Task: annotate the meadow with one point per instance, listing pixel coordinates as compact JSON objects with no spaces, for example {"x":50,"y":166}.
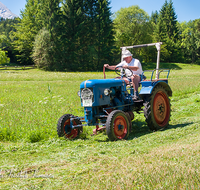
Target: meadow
{"x":33,"y":157}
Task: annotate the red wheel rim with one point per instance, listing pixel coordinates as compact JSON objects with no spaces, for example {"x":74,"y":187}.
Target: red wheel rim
{"x":73,"y":134}
{"x":161,"y":109}
{"x":120,"y":127}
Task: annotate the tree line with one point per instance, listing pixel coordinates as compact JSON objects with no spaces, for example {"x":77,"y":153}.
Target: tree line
{"x":83,"y":35}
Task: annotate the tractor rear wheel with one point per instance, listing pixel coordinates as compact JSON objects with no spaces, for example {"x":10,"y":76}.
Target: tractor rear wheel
{"x":117,"y":125}
{"x":157,"y":109}
{"x":64,"y":128}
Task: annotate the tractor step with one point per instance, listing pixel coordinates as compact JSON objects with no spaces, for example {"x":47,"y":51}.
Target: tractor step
{"x":138,"y":101}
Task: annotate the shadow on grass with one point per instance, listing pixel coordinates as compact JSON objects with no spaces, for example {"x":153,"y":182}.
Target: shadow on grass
{"x":138,"y":129}
{"x":178,"y":126}
{"x":13,"y":70}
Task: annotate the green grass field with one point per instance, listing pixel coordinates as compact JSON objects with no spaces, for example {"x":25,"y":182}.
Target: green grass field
{"x":33,"y":157}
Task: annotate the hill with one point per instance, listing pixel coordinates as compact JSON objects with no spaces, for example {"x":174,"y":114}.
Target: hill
{"x":6,"y":13}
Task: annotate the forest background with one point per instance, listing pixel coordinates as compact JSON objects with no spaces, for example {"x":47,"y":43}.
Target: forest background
{"x":83,"y":35}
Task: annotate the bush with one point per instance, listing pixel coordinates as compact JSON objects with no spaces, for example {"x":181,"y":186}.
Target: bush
{"x":6,"y":134}
{"x":35,"y":136}
{"x":42,"y":50}
{"x":3,"y":57}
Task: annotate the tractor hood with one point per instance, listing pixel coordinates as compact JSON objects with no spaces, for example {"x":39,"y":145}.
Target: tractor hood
{"x":92,"y":91}
{"x":105,"y":83}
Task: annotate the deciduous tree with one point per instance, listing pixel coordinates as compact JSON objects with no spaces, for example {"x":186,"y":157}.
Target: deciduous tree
{"x":132,"y":27}
{"x":190,"y":40}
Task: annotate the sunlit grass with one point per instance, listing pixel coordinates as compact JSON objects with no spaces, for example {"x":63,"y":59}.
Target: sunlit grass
{"x":33,"y":157}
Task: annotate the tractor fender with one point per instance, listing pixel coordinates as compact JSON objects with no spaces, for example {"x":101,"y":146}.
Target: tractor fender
{"x":147,"y":89}
{"x":165,"y":86}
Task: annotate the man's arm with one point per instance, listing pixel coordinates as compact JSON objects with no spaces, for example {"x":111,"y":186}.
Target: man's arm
{"x":133,"y":68}
{"x":110,"y":67}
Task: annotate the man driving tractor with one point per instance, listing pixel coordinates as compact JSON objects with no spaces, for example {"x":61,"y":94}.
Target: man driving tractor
{"x":133,"y":70}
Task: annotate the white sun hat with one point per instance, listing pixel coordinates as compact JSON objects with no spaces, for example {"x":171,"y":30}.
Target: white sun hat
{"x":126,"y":53}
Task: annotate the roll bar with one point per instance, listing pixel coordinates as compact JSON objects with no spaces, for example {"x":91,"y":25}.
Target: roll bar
{"x":158,"y":47}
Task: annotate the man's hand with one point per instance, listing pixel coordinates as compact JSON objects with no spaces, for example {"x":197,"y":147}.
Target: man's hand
{"x":125,"y":66}
{"x":106,"y":65}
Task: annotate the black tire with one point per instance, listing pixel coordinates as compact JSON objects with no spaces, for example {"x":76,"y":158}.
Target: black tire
{"x":117,"y":125}
{"x":64,"y":129}
{"x":157,"y":109}
{"x":129,"y":120}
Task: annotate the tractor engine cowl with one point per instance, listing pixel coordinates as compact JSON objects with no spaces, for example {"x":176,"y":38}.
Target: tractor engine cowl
{"x":98,"y":92}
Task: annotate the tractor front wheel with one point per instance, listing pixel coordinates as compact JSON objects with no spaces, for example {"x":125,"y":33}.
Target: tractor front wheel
{"x":64,"y":127}
{"x":157,"y":109}
{"x":117,"y":125}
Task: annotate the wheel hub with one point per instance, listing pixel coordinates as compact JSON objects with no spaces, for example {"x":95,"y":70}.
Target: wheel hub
{"x":70,"y":133}
{"x":161,"y":108}
{"x":120,"y":127}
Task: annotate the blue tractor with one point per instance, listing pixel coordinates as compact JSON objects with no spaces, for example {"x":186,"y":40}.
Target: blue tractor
{"x":109,"y":103}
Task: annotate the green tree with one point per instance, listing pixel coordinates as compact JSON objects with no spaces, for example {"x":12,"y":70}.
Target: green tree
{"x":80,"y":33}
{"x":37,"y":15}
{"x":154,"y":17}
{"x":49,"y":17}
{"x":26,"y":30}
{"x":190,"y":40}
{"x":104,"y":33}
{"x":132,"y":27}
{"x":166,"y":31}
{"x":42,"y":50}
{"x":90,"y":13}
{"x":6,"y":29}
{"x":88,"y":35}
{"x":73,"y":34}
{"x":7,"y":25}
{"x":3,"y":57}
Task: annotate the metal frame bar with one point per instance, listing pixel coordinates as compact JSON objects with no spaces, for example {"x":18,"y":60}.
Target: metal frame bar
{"x":159,"y":71}
{"x":158,"y":47}
{"x":142,"y":45}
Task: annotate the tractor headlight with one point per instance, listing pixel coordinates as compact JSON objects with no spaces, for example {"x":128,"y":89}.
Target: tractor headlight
{"x":79,"y":93}
{"x":86,"y":93}
{"x":107,"y":91}
{"x":87,"y":97}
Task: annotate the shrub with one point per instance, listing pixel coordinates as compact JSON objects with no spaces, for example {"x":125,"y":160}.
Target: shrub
{"x":35,"y":136}
{"x":6,"y":134}
{"x":3,"y":57}
{"x":42,"y":50}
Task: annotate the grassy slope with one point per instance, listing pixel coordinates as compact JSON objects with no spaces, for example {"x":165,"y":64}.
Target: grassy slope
{"x":31,"y":103}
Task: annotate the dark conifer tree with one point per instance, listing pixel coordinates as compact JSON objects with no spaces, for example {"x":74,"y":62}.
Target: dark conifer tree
{"x":89,"y":35}
{"x":80,"y":33}
{"x":50,"y":18}
{"x":104,"y":33}
{"x":73,"y":33}
{"x":167,"y":32}
{"x":154,"y":17}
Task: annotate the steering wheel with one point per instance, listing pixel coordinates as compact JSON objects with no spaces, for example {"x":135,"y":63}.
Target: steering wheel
{"x":121,"y":71}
